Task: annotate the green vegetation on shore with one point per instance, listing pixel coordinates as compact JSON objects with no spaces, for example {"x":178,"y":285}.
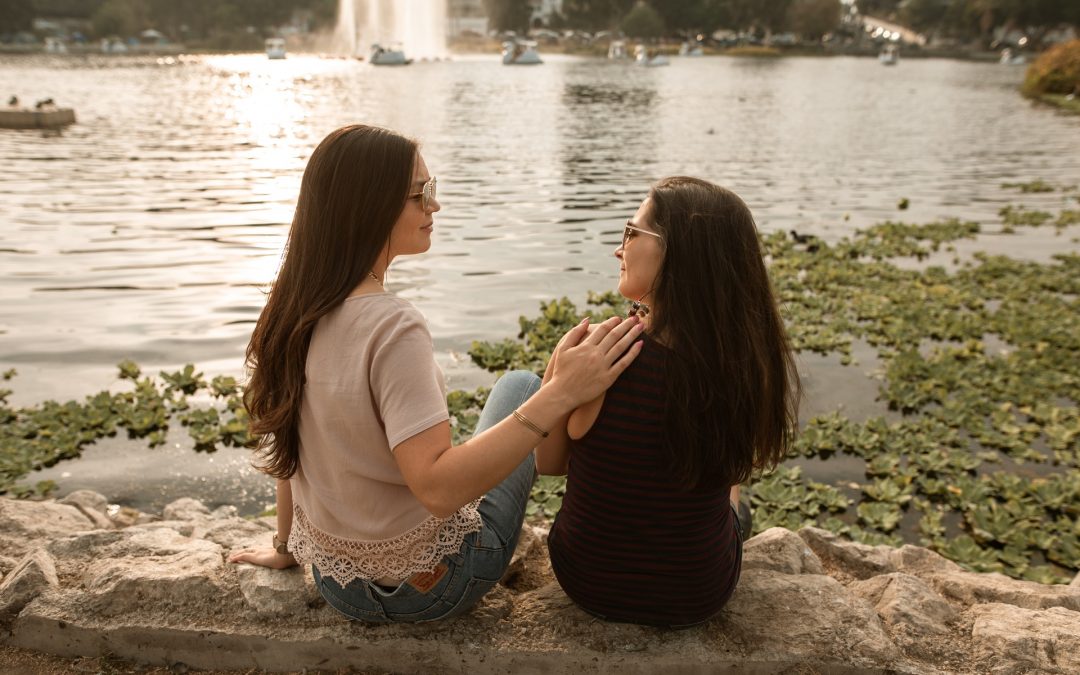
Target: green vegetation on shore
{"x":979,"y":363}
{"x":1054,"y":77}
{"x":974,"y":421}
{"x":43,"y":435}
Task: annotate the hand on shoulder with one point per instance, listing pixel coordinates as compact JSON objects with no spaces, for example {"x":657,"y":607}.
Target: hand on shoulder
{"x":588,"y":362}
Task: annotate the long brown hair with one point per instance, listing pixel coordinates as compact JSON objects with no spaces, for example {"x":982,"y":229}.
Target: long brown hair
{"x":732,"y":387}
{"x":354,"y":188}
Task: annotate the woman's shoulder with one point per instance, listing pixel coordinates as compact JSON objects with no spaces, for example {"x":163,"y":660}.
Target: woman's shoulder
{"x":373,"y":318}
{"x":653,"y":352}
{"x":380,"y":308}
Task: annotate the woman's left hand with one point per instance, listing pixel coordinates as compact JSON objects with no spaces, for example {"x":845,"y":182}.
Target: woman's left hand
{"x":264,"y":557}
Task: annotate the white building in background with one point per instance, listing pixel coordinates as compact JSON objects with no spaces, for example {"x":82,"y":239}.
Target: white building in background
{"x":466,"y":16}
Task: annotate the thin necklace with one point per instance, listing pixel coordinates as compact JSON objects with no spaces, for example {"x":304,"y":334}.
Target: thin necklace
{"x":372,"y":275}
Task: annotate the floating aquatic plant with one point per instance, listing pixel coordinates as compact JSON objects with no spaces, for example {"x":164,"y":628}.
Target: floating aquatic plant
{"x":1030,"y":186}
{"x":979,"y":366}
{"x":40,"y":436}
{"x":964,"y":405}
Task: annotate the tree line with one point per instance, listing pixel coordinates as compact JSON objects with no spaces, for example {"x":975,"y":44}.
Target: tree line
{"x":195,"y":20}
{"x":963,"y":19}
{"x":178,"y":19}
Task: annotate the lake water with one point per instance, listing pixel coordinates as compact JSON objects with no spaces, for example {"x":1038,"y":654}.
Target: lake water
{"x":150,"y":229}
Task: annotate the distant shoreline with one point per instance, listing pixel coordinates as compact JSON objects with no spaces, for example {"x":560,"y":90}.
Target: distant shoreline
{"x":1061,"y":102}
{"x":492,"y":47}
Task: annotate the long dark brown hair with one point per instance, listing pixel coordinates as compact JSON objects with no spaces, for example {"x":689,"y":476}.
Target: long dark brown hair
{"x":732,"y":387}
{"x":354,"y":188}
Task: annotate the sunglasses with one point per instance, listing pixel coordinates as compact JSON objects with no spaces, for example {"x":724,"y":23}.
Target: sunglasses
{"x":426,"y":194}
{"x":630,"y":231}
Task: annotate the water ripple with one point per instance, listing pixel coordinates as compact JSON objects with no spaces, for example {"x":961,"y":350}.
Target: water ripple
{"x":153,"y":227}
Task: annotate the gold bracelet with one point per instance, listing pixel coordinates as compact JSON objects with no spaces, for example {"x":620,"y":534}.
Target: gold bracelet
{"x":525,"y":420}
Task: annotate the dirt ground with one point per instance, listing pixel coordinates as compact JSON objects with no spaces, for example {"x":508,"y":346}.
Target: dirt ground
{"x":22,"y":662}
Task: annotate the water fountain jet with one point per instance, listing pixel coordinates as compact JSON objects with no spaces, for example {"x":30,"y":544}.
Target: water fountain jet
{"x":417,"y":26}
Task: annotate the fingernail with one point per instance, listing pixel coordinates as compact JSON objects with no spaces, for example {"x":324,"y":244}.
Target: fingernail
{"x":584,"y":321}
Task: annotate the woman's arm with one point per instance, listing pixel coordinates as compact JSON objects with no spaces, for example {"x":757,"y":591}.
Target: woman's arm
{"x":268,"y":556}
{"x":553,"y":453}
{"x":444,"y":478}
{"x":284,"y":509}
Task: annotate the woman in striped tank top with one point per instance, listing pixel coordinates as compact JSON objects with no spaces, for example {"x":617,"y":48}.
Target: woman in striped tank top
{"x":649,"y":531}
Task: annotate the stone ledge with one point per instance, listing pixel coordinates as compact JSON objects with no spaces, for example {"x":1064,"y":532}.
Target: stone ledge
{"x":160,"y":593}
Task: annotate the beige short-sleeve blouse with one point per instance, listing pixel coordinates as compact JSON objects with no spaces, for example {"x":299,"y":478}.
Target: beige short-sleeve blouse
{"x":372,"y":382}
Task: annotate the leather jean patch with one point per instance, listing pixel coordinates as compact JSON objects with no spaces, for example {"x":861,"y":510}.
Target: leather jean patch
{"x":425,"y":581}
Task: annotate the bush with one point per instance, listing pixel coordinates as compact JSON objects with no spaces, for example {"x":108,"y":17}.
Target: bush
{"x":643,"y":22}
{"x":1056,"y":71}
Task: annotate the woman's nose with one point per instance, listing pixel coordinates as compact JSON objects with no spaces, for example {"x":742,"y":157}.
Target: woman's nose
{"x":434,"y":205}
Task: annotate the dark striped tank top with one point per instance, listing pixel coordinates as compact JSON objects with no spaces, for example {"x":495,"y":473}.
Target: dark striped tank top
{"x":629,"y":544}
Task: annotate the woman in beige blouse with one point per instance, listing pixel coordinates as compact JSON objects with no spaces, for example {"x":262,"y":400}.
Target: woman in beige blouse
{"x":350,"y":406}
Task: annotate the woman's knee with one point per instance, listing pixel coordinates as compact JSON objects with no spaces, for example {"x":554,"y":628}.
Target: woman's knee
{"x":521,"y":382}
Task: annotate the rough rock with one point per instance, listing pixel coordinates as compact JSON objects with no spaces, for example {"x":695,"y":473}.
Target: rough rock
{"x":527,"y":541}
{"x":91,"y":504}
{"x":852,"y":558}
{"x":185,"y":508}
{"x":236,"y":532}
{"x":226,"y":511}
{"x":277,"y":592}
{"x":158,"y":591}
{"x":184,"y":528}
{"x":135,"y":542}
{"x":809,"y":617}
{"x":33,"y":575}
{"x":84,"y":544}
{"x":917,"y":560}
{"x":969,"y":588}
{"x":7,"y":564}
{"x":1010,"y":640}
{"x":118,"y":587}
{"x":24,"y":523}
{"x":904,"y":602}
{"x":780,"y":550}
{"x":125,"y":516}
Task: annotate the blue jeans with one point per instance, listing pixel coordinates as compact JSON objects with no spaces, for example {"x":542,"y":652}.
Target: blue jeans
{"x":483,"y":557}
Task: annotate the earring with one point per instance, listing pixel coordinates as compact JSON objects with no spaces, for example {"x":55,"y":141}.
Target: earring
{"x":638,"y":308}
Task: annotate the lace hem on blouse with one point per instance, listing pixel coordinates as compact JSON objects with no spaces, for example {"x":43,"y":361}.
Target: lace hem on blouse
{"x":418,"y":550}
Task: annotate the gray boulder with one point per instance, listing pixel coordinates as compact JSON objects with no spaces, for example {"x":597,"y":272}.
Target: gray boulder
{"x":144,"y":541}
{"x":125,"y":586}
{"x":233,"y":533}
{"x":92,"y":504}
{"x":810,"y":618}
{"x":848,"y":558}
{"x":160,"y":592}
{"x":25,"y":525}
{"x":277,"y":593}
{"x":1010,"y":640}
{"x":780,"y":550}
{"x":905,"y":603}
{"x":185,"y":508}
{"x":33,"y":575}
{"x":970,"y":588}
